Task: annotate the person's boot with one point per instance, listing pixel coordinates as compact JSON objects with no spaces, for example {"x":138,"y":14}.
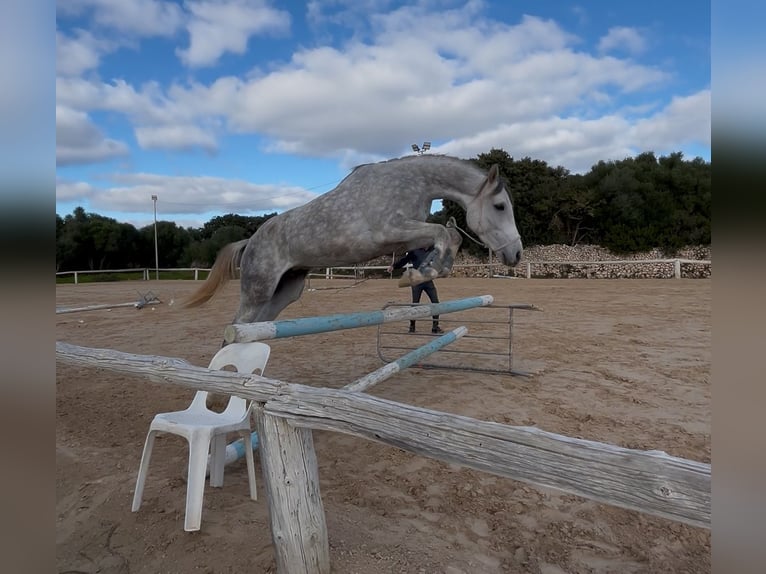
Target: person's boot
{"x":436,"y":329}
{"x":412,"y":327}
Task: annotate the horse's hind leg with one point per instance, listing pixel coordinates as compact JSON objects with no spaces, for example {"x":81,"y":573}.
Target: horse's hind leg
{"x":288,"y":291}
{"x":262,"y":305}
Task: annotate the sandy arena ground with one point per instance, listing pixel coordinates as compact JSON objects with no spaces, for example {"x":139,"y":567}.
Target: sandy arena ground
{"x":619,"y":361}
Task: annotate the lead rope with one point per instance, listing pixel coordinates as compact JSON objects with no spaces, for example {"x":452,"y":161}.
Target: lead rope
{"x":452,"y":223}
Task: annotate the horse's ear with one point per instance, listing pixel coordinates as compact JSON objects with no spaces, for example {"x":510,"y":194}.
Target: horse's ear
{"x":492,"y":178}
{"x":494,"y":172}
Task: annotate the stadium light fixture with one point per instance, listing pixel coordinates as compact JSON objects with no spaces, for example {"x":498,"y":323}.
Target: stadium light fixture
{"x":421,"y":150}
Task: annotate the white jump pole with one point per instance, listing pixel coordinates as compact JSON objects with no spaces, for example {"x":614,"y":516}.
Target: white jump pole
{"x":248,"y":332}
{"x":137,"y":304}
{"x":405,"y":361}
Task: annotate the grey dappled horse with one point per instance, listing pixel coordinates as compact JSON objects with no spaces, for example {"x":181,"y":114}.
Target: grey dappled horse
{"x":377,"y":209}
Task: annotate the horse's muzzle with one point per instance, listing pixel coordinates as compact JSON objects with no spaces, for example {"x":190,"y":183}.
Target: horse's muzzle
{"x":511,"y":255}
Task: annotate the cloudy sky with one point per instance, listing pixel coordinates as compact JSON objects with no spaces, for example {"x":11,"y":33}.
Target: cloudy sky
{"x":253,"y":106}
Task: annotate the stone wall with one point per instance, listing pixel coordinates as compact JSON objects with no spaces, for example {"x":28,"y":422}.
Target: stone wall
{"x":592,"y":254}
{"x":470,"y":266}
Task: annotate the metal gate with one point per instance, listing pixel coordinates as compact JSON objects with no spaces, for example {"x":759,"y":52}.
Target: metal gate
{"x":487,"y":347}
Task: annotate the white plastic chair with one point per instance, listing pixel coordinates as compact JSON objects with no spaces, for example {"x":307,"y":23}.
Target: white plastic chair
{"x":206,"y":431}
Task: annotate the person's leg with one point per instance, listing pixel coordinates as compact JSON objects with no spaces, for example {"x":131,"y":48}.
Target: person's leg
{"x":417,"y":292}
{"x":430,"y":289}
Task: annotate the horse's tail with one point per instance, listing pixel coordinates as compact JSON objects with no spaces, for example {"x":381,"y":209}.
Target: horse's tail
{"x":224,"y":268}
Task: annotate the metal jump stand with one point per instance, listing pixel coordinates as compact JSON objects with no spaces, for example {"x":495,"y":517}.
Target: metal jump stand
{"x":493,"y":340}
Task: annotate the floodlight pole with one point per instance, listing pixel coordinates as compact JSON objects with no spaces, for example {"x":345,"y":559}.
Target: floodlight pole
{"x":156,"y":251}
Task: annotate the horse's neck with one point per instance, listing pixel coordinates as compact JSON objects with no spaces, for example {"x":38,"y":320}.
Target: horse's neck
{"x":454,"y":183}
{"x":454,"y":194}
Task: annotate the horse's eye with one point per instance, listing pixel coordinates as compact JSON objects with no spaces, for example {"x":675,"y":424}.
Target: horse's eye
{"x":500,"y":207}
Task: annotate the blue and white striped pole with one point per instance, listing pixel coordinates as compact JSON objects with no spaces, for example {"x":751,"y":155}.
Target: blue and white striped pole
{"x":247,"y":332}
{"x":234,"y":451}
{"x":405,"y":361}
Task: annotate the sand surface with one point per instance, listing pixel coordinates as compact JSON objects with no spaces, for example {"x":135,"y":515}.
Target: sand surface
{"x":620,"y":361}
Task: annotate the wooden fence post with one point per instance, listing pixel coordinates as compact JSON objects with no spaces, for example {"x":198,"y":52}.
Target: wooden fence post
{"x":291,"y":475}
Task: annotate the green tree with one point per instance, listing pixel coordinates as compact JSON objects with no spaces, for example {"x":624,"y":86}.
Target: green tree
{"x":249,"y":223}
{"x":646,"y":202}
{"x":203,"y":253}
{"x":92,"y":241}
{"x":172,"y":242}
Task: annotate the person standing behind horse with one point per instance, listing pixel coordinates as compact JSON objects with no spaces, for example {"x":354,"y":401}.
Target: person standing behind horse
{"x":416,"y":257}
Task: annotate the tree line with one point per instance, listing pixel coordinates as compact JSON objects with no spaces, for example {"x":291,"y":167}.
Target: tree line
{"x":627,"y":206}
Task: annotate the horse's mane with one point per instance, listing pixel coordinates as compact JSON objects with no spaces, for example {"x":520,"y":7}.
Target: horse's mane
{"x":415,"y":158}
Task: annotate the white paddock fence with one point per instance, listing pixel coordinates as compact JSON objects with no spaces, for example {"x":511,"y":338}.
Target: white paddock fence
{"x":146,"y":272}
{"x":647,"y":481}
{"x":678,"y":268}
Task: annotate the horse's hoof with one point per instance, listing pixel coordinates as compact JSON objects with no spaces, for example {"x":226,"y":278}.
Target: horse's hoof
{"x":408,"y":278}
{"x":427,"y":274}
{"x":412,"y":277}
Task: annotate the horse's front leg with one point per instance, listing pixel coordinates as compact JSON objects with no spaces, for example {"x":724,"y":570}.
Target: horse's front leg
{"x":443,"y":261}
{"x":439,"y":263}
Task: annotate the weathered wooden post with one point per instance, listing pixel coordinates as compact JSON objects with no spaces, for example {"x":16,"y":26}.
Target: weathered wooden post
{"x":291,"y":475}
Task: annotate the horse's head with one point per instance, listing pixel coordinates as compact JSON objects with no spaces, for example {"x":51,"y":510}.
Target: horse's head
{"x":490,"y":215}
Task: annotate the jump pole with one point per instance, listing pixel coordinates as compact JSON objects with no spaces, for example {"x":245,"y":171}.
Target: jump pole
{"x":405,"y":361}
{"x":147,"y":299}
{"x":235,"y":450}
{"x":60,"y":310}
{"x":248,"y":332}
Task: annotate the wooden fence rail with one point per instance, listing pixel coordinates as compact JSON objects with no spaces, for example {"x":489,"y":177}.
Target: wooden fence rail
{"x":647,"y":481}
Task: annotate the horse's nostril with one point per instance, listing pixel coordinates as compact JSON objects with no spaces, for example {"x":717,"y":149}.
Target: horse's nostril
{"x":517,"y":256}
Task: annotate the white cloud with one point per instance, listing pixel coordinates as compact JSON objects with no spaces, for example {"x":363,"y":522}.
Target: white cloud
{"x":432,"y":76}
{"x":451,"y":76}
{"x":198,"y":194}
{"x":78,"y":140}
{"x":75,"y":191}
{"x":428,"y":75}
{"x":176,"y":121}
{"x":621,"y":38}
{"x":176,"y":137}
{"x":75,"y":55}
{"x":137,"y":17}
{"x":578,"y":144}
{"x":217,"y":27}
{"x":685,"y":120}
